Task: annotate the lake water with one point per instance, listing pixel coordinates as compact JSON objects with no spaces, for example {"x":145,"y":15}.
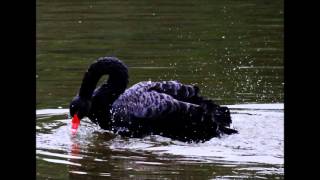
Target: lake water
{"x":233,"y":50}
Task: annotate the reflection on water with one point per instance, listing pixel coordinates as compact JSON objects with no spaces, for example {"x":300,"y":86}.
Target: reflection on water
{"x":256,"y":152}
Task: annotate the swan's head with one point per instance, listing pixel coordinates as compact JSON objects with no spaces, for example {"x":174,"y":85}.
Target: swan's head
{"x":79,"y":108}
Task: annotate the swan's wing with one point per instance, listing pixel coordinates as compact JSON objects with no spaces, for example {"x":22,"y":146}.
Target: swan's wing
{"x":155,"y":99}
{"x":148,"y":104}
{"x":179,"y":91}
{"x":139,"y":112}
{"x":159,"y":113}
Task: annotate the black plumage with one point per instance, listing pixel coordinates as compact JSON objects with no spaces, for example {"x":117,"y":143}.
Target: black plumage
{"x":166,"y":108}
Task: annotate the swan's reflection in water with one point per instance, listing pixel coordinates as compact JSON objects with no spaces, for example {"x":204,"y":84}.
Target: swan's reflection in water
{"x":75,"y":149}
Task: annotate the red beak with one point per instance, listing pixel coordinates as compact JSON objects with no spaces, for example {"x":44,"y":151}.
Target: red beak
{"x":75,"y":123}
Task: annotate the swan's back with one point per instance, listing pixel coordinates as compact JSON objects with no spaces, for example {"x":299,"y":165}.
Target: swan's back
{"x":150,"y":99}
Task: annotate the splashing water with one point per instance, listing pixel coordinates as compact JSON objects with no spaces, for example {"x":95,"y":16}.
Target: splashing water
{"x":257,"y":151}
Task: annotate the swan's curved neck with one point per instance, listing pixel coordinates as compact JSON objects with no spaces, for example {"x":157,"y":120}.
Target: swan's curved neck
{"x":118,"y":76}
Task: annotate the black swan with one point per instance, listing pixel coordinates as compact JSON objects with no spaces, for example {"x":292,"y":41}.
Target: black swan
{"x":166,"y":108}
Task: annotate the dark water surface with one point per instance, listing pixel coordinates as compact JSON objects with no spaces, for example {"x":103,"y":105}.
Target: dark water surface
{"x":233,"y":50}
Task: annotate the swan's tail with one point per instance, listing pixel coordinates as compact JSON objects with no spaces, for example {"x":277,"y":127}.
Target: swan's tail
{"x":197,"y":122}
{"x":219,"y":115}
